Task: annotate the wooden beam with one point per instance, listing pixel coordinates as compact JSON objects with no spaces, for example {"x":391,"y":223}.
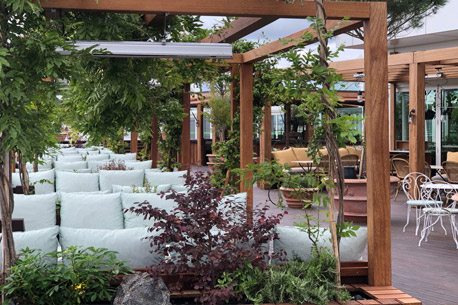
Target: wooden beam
{"x":392,"y":116}
{"x":200,"y":135}
{"x":265,"y":139}
{"x":239,"y":28}
{"x":236,"y":8}
{"x":185,"y":156}
{"x":134,"y":141}
{"x":234,"y":84}
{"x":438,"y":56}
{"x":246,"y":130}
{"x":417,"y":127}
{"x":378,"y":163}
{"x":154,"y":141}
{"x":148,"y":18}
{"x":288,"y":42}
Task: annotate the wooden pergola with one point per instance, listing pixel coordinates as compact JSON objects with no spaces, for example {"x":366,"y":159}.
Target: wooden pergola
{"x":410,"y":67}
{"x":255,"y":14}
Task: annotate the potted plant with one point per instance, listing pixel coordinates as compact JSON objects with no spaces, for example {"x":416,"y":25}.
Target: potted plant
{"x":298,"y":190}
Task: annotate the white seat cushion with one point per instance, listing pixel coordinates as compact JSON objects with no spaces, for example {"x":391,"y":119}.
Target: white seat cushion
{"x":131,"y":245}
{"x":43,"y":181}
{"x":76,"y":182}
{"x":99,"y":157}
{"x":38,"y":211}
{"x":108,"y":178}
{"x":91,"y":211}
{"x":157,"y":178}
{"x":70,"y":165}
{"x":138,"y":164}
{"x":70,"y":158}
{"x":124,"y":157}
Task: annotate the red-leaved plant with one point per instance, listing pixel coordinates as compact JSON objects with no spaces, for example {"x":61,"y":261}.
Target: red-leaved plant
{"x":115,"y":165}
{"x":206,"y":235}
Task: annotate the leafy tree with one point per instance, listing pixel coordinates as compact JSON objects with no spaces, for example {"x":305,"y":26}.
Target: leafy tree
{"x":29,"y":71}
{"x":404,"y":15}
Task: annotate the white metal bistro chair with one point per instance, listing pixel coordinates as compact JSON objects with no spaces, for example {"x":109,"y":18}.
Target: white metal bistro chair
{"x":418,"y":198}
{"x":439,"y":190}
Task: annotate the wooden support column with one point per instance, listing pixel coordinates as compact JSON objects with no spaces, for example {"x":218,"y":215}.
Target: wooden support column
{"x":287,"y":123}
{"x":377,"y":133}
{"x":185,"y":159}
{"x":134,"y":141}
{"x":265,"y":140}
{"x":200,"y":135}
{"x":154,"y":141}
{"x":234,"y":84}
{"x":308,"y":132}
{"x":392,"y":116}
{"x":417,"y":127}
{"x":246,"y":129}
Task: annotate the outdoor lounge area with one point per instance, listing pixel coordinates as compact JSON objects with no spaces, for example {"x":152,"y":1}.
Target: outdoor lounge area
{"x":156,"y":152}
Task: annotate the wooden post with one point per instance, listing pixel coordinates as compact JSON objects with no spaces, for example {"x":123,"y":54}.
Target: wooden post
{"x":287,"y":122}
{"x":234,"y":83}
{"x":417,"y":127}
{"x":246,"y":129}
{"x":392,"y":116}
{"x":200,"y":135}
{"x":377,"y":133}
{"x":134,"y":141}
{"x":185,"y":159}
{"x":154,"y":141}
{"x":265,"y":142}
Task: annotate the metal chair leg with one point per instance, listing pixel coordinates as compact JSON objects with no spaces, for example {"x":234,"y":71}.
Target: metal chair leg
{"x":408,"y":218}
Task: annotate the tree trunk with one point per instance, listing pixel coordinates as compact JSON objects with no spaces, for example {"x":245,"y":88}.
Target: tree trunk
{"x":335,"y":163}
{"x":23,"y":174}
{"x":6,"y":205}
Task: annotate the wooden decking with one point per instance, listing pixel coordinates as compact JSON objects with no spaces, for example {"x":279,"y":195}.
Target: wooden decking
{"x":428,"y":273}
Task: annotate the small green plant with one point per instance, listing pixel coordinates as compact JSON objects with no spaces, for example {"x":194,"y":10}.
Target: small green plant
{"x":84,"y":277}
{"x":297,"y":282}
{"x":148,"y":188}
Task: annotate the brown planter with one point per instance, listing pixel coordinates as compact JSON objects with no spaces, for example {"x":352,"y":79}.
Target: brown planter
{"x":292,"y":196}
{"x":355,"y":199}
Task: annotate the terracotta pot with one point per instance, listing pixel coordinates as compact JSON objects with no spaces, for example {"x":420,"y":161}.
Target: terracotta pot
{"x":355,"y":199}
{"x":292,"y":196}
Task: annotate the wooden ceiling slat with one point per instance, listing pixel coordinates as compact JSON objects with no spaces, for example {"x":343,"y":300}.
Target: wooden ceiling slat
{"x":236,"y":8}
{"x":240,"y":28}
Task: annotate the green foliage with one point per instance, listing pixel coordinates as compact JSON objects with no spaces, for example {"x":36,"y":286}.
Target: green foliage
{"x":29,"y":70}
{"x":220,"y":114}
{"x":295,"y":282}
{"x":171,"y":113}
{"x":83,"y":277}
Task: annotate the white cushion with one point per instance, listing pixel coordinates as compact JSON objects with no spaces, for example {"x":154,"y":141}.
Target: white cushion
{"x":138,"y":164}
{"x":43,"y":181}
{"x":81,"y":171}
{"x":125,"y":157}
{"x":99,"y":157}
{"x":71,"y":158}
{"x":70,"y":165}
{"x":296,"y":243}
{"x":91,"y":211}
{"x":76,"y":182}
{"x":157,"y":170}
{"x":120,"y":177}
{"x":38,"y":211}
{"x":44,"y":240}
{"x":47,"y":165}
{"x":157,"y":178}
{"x":131,"y":220}
{"x":129,"y":243}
